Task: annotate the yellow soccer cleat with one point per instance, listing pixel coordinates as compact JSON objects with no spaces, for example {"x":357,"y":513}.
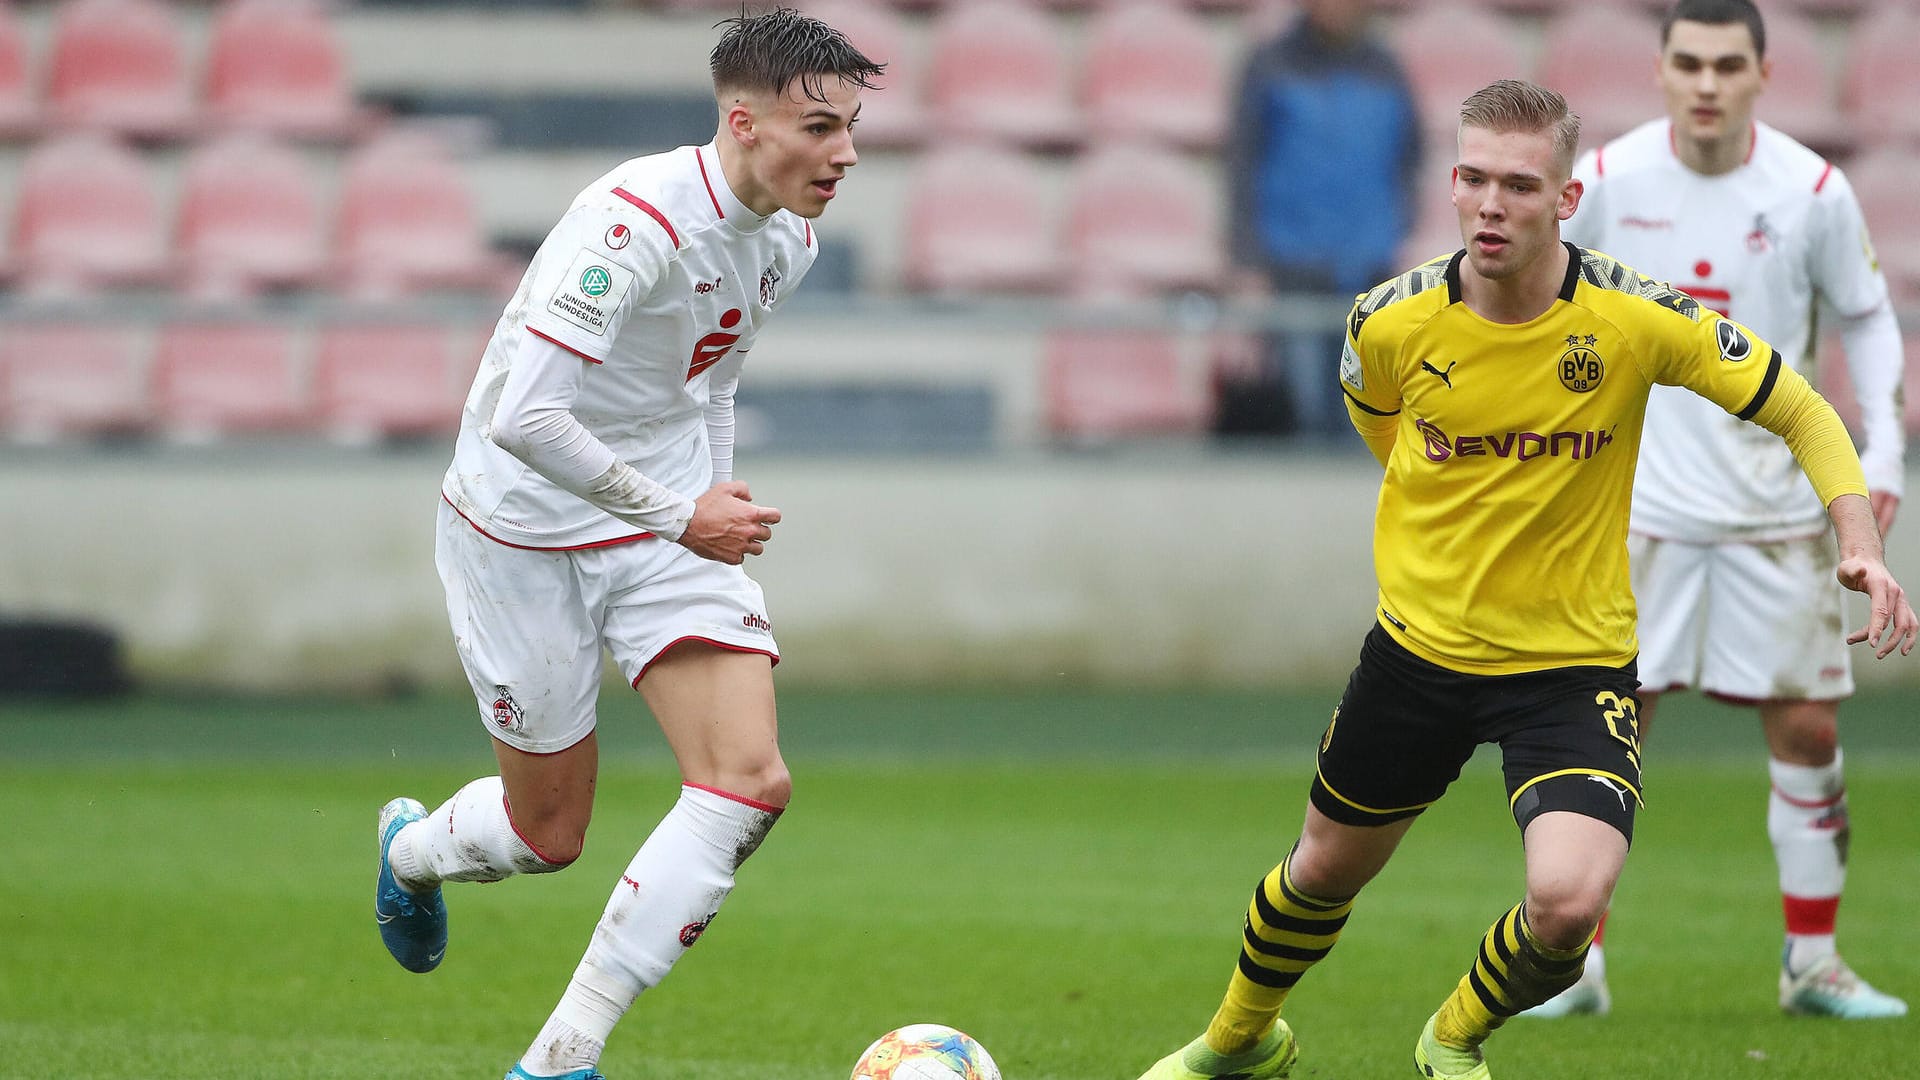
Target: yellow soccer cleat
{"x":1434,"y":1059}
{"x":1271,"y":1058}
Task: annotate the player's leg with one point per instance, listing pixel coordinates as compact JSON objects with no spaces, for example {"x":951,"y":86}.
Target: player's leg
{"x":1669,"y":582}
{"x":1807,"y":822}
{"x":1571,"y":754}
{"x":1784,"y":614}
{"x":531,"y":654}
{"x":689,"y":641}
{"x":1391,"y":749}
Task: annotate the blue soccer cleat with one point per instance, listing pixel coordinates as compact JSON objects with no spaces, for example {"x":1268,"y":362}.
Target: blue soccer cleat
{"x":413,"y":926}
{"x":518,"y":1073}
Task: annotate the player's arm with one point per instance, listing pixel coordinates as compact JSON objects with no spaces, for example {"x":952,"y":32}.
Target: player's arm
{"x":1877,"y":364}
{"x":1848,"y":276}
{"x":1373,"y":402}
{"x":1778,"y":399}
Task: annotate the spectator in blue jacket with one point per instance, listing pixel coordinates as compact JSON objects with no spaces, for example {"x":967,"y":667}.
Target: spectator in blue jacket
{"x":1320,"y":175}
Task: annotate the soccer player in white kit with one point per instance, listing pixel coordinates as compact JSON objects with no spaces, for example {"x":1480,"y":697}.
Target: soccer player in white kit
{"x":591,"y":502}
{"x":1732,"y":563}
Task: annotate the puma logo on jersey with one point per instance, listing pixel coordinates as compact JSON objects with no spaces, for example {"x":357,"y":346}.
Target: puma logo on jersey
{"x":1444,"y":376}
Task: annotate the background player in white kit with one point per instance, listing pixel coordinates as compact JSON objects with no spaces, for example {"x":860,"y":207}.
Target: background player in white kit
{"x":591,"y":501}
{"x":1733,"y":567}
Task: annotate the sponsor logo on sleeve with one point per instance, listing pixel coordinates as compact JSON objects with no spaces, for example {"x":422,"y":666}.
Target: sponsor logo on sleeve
{"x":1734,"y":345}
{"x":619,"y":236}
{"x":590,"y":292}
{"x":1350,"y":368}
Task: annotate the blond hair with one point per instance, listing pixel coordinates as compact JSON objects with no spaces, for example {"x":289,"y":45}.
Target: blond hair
{"x":1513,"y":105}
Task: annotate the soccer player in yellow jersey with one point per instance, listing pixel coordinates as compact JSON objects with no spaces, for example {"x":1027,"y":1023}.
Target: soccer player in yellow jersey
{"x":1503,"y":389}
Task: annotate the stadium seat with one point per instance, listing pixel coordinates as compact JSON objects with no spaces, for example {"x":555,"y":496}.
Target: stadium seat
{"x":1153,"y":71}
{"x":1103,"y":384}
{"x":249,"y":218}
{"x":1883,"y":180}
{"x":1443,"y":75}
{"x":87,"y":215}
{"x":120,"y":65}
{"x":277,"y":65}
{"x":998,"y":70}
{"x":895,"y":114}
{"x":214,"y":379}
{"x":61,"y":379}
{"x":1142,"y":220}
{"x":978,"y":220}
{"x":407,"y":221}
{"x":19,"y":98}
{"x":1605,"y":59}
{"x":376,"y":380}
{"x":1881,"y":93}
{"x":1800,"y":98}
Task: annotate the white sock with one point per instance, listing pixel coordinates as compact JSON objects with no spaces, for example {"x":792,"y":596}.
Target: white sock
{"x":1596,"y":970}
{"x":468,"y":838}
{"x":670,"y":892}
{"x":1807,"y":822}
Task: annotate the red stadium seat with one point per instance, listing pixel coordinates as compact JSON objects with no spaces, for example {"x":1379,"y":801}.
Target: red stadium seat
{"x":998,"y":70}
{"x":1605,"y":59}
{"x":1154,"y":72}
{"x":213,"y":379}
{"x":978,"y":221}
{"x":894,"y":114}
{"x":1103,"y":384}
{"x":1883,"y":180}
{"x":1882,"y":88}
{"x":1142,"y":220}
{"x":87,"y":215}
{"x":277,"y":65}
{"x":120,"y":65}
{"x":19,"y":100}
{"x":407,"y":221}
{"x":70,"y":378}
{"x":1800,"y":98}
{"x":249,"y":218}
{"x":1443,"y":74}
{"x":373,"y":380}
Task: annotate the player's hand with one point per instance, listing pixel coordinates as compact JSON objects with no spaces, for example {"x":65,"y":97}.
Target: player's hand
{"x":1885,"y":505}
{"x":1892,"y":622}
{"x":727,"y":527}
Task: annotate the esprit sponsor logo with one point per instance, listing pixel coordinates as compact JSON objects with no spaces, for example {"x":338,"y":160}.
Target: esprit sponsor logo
{"x":1635,"y":222}
{"x":1518,"y":445}
{"x":753,"y":621}
{"x":709,"y":350}
{"x":702,"y":288}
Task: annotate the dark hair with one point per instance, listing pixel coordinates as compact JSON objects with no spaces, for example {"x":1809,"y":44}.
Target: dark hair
{"x":1717,"y":13}
{"x":770,"y":50}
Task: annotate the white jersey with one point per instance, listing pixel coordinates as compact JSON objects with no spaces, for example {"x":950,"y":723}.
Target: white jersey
{"x":1759,"y":244}
{"x":660,"y":277}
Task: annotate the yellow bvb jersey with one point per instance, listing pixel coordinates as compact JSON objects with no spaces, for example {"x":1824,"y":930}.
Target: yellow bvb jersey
{"x":1500,"y":536}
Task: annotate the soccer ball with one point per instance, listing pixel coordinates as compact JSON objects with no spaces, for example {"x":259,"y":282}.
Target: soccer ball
{"x":925,"y":1052}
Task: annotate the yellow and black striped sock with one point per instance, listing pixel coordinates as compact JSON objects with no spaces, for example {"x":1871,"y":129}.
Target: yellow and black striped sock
{"x":1287,"y":932}
{"x":1513,"y":973}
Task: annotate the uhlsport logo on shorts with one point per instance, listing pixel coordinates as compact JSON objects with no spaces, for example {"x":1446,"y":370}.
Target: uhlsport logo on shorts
{"x":596,"y":281}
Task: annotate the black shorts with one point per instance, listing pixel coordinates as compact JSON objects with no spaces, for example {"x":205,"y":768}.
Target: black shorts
{"x":1569,"y":738}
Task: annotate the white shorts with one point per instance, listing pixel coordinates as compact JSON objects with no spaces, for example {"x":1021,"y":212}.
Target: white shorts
{"x":1747,"y":621}
{"x":529,"y":624}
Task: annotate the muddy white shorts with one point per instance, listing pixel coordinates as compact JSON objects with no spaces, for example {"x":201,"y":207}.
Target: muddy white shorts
{"x":529,"y":624}
{"x":1752,"y":621}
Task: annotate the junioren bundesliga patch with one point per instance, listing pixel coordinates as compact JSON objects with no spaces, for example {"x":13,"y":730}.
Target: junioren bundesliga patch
{"x":590,"y":291}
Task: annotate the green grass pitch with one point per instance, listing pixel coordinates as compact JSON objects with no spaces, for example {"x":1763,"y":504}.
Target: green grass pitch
{"x":185,"y":894}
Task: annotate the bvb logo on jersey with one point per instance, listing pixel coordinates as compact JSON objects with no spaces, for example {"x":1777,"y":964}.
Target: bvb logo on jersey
{"x":596,"y":281}
{"x":1581,"y":369}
